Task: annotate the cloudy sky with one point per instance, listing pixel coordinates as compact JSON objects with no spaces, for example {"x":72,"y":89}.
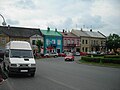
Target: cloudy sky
{"x":101,"y":15}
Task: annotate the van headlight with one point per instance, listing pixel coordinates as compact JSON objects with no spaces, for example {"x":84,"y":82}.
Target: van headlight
{"x":14,"y":65}
{"x":33,"y":65}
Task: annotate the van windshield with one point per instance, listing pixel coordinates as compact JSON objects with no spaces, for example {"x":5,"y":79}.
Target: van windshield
{"x":21,"y":53}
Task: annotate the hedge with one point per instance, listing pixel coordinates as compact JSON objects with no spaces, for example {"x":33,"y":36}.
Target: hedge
{"x":101,"y":60}
{"x":91,"y":59}
{"x":110,"y":60}
{"x":112,"y":56}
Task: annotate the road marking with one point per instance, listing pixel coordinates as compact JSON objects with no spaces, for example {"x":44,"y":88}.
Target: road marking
{"x":61,"y":83}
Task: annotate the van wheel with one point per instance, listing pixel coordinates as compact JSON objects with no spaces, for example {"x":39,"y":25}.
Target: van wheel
{"x":8,"y":72}
{"x":32,"y":74}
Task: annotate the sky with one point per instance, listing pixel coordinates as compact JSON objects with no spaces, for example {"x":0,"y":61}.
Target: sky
{"x":100,"y":15}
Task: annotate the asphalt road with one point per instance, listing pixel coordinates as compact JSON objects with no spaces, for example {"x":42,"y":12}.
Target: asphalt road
{"x":56,"y":74}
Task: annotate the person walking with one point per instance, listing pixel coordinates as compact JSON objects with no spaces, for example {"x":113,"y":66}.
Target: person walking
{"x":3,"y":76}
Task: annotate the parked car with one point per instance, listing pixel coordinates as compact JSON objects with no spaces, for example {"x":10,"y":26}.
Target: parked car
{"x":83,"y":53}
{"x":77,"y":54}
{"x":61,"y":54}
{"x":53,"y":54}
{"x":69,"y":57}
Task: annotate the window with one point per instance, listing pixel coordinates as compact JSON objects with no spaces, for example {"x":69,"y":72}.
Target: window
{"x":59,"y":42}
{"x":86,"y":41}
{"x":33,"y":42}
{"x":86,"y":49}
{"x":65,"y":42}
{"x":53,"y":41}
{"x":82,"y":41}
{"x":68,"y":41}
{"x":77,"y":42}
{"x":21,"y":53}
{"x":47,"y":42}
{"x":3,"y":40}
{"x":83,"y":49}
{"x":72,"y":42}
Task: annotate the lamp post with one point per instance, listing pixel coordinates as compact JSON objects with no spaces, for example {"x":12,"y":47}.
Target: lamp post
{"x":3,"y":23}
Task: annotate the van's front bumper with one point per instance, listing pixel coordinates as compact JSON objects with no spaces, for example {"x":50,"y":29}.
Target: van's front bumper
{"x":22,"y":70}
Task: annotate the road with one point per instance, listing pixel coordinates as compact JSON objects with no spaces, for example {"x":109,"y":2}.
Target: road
{"x":56,"y":74}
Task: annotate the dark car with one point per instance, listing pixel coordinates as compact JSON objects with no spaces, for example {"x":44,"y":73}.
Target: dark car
{"x":61,"y":54}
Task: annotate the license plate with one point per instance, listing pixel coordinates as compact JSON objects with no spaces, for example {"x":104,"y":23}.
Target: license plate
{"x":23,"y":70}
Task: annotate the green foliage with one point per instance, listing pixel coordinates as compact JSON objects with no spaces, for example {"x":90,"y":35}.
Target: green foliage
{"x":39,"y":43}
{"x":112,"y":56}
{"x":113,"y":41}
{"x":111,"y":60}
{"x":106,"y":59}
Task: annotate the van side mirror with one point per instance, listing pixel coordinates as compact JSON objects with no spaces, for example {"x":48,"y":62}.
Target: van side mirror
{"x":1,"y":59}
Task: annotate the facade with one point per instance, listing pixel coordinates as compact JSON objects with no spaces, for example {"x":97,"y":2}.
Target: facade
{"x":8,"y":33}
{"x":71,"y":42}
{"x":52,"y":41}
{"x":91,"y":41}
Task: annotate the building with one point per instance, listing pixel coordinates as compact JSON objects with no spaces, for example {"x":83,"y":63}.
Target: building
{"x":71,"y":42}
{"x":8,"y":33}
{"x":52,"y":41}
{"x":91,"y":40}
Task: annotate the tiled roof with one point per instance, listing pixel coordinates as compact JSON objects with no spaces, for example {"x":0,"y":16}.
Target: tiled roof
{"x":68,"y":34}
{"x":94,"y":34}
{"x":19,"y":31}
{"x":50,"y":32}
{"x":88,"y":34}
{"x":80,"y":33}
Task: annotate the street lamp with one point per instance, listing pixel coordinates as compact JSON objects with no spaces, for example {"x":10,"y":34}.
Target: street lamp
{"x":3,"y":23}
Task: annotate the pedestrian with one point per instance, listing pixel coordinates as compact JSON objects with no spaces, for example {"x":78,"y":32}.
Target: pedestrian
{"x":3,"y":76}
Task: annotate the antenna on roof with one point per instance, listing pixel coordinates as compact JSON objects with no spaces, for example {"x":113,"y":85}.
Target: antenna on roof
{"x":83,"y":26}
{"x":76,"y":26}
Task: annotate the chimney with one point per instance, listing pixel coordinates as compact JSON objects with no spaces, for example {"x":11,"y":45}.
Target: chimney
{"x":8,"y":26}
{"x":63,"y":30}
{"x":81,"y":29}
{"x":55,"y":29}
{"x":65,"y":33}
{"x":90,"y":30}
{"x":48,"y":29}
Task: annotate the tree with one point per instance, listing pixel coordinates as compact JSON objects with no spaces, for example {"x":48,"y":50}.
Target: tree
{"x":113,"y":42}
{"x":39,"y":43}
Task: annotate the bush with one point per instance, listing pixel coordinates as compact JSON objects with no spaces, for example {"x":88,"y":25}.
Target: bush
{"x":101,"y":59}
{"x":91,"y":59}
{"x":110,"y":60}
{"x":112,"y":56}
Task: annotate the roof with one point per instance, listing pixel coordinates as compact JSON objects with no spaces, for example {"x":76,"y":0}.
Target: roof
{"x":19,"y":45}
{"x":80,"y":33}
{"x":50,"y":32}
{"x":88,"y":33}
{"x":68,"y":34}
{"x":19,"y":31}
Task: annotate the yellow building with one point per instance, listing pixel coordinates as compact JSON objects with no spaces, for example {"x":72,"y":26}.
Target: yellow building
{"x":8,"y":33}
{"x":91,"y":40}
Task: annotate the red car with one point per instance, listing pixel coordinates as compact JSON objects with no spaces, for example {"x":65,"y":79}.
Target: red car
{"x":83,"y":53}
{"x":69,"y":57}
{"x":61,"y":54}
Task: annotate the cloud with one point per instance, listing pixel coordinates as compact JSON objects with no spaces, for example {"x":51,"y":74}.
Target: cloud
{"x":12,"y":22}
{"x":89,"y":21}
{"x":101,"y":14}
{"x":62,"y":24}
{"x":25,"y":4}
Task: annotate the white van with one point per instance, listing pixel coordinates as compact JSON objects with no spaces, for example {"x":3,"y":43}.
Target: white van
{"x":19,"y":59}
